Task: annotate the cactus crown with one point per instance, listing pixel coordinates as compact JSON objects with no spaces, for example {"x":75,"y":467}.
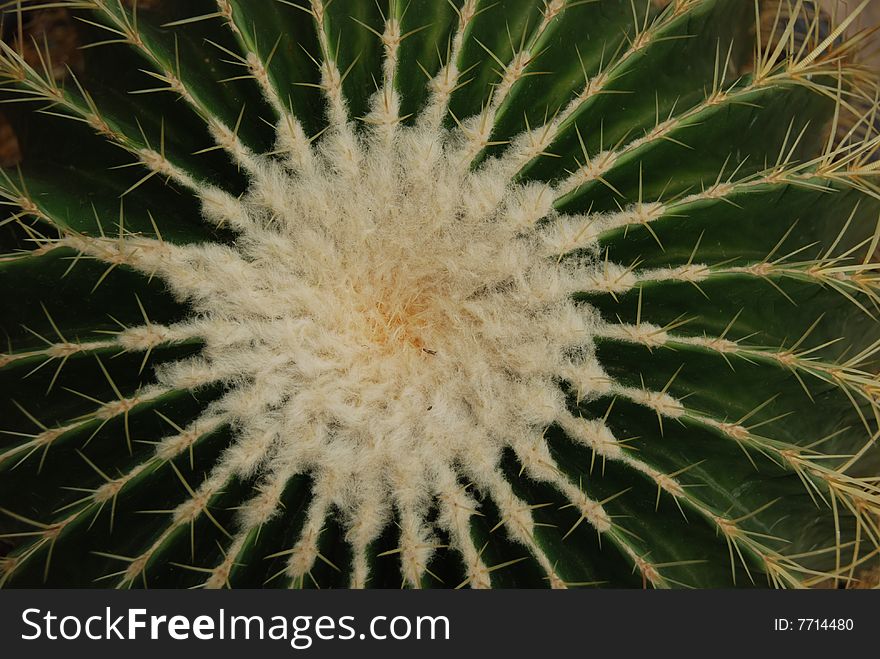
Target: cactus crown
{"x":441,"y":293}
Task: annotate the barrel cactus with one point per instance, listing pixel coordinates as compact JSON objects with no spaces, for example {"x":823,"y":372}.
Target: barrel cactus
{"x":530,"y":293}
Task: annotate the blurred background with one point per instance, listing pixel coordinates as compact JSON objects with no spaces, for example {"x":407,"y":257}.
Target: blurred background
{"x":869,"y":18}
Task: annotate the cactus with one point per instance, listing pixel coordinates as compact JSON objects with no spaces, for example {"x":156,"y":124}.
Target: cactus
{"x":522,"y":293}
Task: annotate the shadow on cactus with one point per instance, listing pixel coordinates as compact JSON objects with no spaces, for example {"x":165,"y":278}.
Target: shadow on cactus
{"x":525,"y":293}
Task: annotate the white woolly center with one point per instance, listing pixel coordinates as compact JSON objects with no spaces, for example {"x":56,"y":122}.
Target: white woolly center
{"x":395,"y":302}
{"x":388,"y":321}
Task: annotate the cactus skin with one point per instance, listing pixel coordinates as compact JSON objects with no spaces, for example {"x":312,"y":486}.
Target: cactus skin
{"x":382,"y":294}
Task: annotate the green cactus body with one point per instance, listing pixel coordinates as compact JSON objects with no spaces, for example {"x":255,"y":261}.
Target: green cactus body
{"x":519,"y":293}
